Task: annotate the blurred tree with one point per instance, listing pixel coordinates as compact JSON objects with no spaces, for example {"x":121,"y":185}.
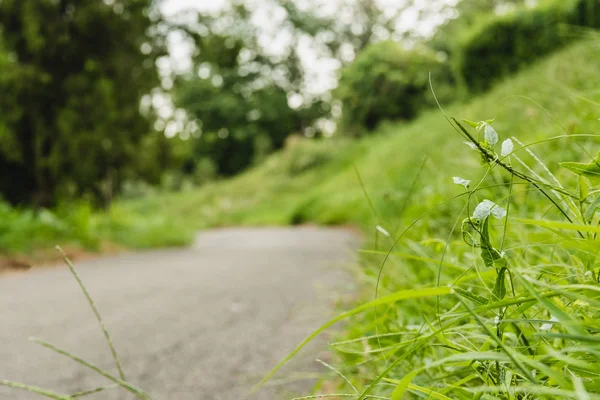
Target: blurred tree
{"x":464,"y":15}
{"x":71,"y":82}
{"x":238,"y":91}
{"x":387,"y":82}
{"x":246,"y":97}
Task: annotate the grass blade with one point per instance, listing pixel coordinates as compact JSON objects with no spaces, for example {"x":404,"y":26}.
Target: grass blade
{"x":389,"y":299}
{"x":95,"y":310}
{"x":402,"y":386}
{"x":34,"y":389}
{"x":140,"y":394}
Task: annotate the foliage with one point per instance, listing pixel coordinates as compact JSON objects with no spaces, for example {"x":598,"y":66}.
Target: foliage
{"x":237,"y":95}
{"x":386,"y":82}
{"x":389,"y":161}
{"x":72,"y":84}
{"x":487,"y":290}
{"x":463,"y":16}
{"x":243,"y":97}
{"x":238,"y":130}
{"x":521,"y":272}
{"x":78,"y":225}
{"x":501,"y":44}
{"x":407,"y":170}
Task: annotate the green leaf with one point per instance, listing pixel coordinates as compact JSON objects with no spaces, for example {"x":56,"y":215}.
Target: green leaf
{"x":500,"y":288}
{"x":402,"y":386}
{"x":431,"y":394}
{"x":489,"y":254}
{"x":589,"y":170}
{"x":584,"y":188}
{"x":470,"y":123}
{"x":572,"y":325}
{"x":471,"y":296}
{"x":589,"y":213}
{"x":560,"y":225}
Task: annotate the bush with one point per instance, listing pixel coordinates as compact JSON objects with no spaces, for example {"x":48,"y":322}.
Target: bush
{"x":303,"y":155}
{"x":500,"y":45}
{"x":386,"y":82}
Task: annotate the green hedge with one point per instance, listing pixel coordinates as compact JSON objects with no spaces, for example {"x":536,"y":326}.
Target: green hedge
{"x":386,"y":82}
{"x":500,"y":45}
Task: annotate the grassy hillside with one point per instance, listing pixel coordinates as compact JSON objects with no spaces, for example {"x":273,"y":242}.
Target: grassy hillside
{"x":469,"y":306}
{"x":317,"y":182}
{"x":458,"y":300}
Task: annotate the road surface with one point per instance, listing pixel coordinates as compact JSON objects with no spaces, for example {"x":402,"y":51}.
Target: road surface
{"x":200,"y":323}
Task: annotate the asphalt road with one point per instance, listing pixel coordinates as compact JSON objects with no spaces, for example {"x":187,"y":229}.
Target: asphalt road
{"x":205,"y":322}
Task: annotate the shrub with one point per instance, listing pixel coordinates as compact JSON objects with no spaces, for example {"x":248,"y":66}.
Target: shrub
{"x":386,"y":82}
{"x":303,"y":155}
{"x":500,"y":45}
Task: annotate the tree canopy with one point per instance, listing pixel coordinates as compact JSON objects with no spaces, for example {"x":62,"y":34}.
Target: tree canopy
{"x":72,"y":75}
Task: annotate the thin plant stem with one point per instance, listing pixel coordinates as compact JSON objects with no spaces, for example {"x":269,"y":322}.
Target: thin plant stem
{"x":95,"y":310}
{"x":35,"y":389}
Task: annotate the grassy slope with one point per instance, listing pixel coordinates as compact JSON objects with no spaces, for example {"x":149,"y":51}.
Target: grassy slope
{"x":559,"y":94}
{"x":329,"y":193}
{"x":317,"y":182}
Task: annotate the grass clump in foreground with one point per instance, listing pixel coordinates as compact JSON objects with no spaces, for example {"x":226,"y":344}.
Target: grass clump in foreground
{"x":488,"y":291}
{"x":507,"y":300}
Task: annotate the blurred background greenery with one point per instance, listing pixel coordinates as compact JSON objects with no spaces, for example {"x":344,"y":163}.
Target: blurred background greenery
{"x":120,"y":119}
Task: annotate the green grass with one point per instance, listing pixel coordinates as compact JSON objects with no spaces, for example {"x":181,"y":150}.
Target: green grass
{"x":452,"y":306}
{"x":24,"y":232}
{"x":521,"y":319}
{"x":316,"y":182}
{"x":327,"y":191}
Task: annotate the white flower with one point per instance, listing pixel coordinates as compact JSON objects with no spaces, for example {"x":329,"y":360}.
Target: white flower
{"x":487,"y":207}
{"x":498,"y":212}
{"x":471,"y":145}
{"x":490,"y":135}
{"x":461,"y":181}
{"x":383,"y":231}
{"x":507,"y":147}
{"x":547,"y":326}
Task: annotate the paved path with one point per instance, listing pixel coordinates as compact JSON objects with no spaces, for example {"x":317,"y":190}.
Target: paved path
{"x":195,"y":324}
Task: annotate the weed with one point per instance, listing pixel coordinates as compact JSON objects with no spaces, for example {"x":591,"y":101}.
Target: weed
{"x":118,"y":382}
{"x":510,"y":313}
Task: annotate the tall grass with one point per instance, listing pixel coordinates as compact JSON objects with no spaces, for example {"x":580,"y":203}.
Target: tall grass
{"x":519,"y":271}
{"x":481,"y":277}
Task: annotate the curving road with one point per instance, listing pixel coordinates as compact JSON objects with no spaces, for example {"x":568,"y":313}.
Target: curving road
{"x":199,"y":323}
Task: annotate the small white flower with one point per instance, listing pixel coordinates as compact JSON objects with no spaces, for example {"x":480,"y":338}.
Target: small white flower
{"x":471,"y":145}
{"x":490,"y":135}
{"x":547,"y":326}
{"x":496,"y":320}
{"x":507,"y":147}
{"x":487,"y":207}
{"x":498,"y":212}
{"x":383,"y":231}
{"x":461,"y":181}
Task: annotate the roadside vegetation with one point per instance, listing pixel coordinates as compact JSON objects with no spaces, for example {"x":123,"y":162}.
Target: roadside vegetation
{"x":479,"y":202}
{"x":517,"y":245}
